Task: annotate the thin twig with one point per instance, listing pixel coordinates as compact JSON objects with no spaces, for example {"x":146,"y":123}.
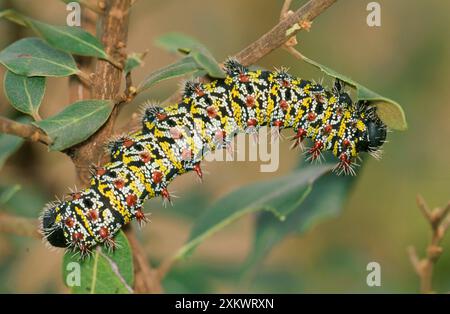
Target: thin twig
{"x":26,"y":131}
{"x":285,"y":9}
{"x":21,"y":226}
{"x":84,"y":77}
{"x":439,"y":221}
{"x":277,"y":36}
{"x":423,"y":208}
{"x":91,"y":6}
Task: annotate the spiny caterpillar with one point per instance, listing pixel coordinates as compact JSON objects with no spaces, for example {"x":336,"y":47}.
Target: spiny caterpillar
{"x":173,"y":140}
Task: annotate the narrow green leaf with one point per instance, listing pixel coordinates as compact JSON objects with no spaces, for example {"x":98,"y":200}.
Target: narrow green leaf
{"x":9,"y":144}
{"x":103,"y":272}
{"x":24,"y":93}
{"x":74,"y":40}
{"x":134,"y":60}
{"x":13,"y":17}
{"x":76,"y":122}
{"x":177,"y":42}
{"x":71,"y":39}
{"x":389,"y":111}
{"x":34,"y":57}
{"x":326,"y":199}
{"x":6,"y":193}
{"x":209,"y":64}
{"x":179,"y":68}
{"x":199,"y":73}
{"x":279,"y":197}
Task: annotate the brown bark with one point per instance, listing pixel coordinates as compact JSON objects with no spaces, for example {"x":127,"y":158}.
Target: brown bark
{"x":26,"y":131}
{"x":113,"y":30}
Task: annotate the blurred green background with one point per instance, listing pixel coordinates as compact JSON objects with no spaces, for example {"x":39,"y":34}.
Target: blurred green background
{"x":406,"y":59}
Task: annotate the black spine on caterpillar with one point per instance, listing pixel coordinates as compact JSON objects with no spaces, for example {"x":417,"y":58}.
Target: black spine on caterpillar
{"x":174,"y":140}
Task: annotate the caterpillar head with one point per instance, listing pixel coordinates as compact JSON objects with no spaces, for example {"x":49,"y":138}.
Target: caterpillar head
{"x":61,"y":227}
{"x":375,"y":134}
{"x":80,"y":223}
{"x":51,"y":230}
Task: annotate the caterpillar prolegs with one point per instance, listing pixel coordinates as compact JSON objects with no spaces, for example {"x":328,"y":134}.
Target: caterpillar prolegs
{"x":173,"y":140}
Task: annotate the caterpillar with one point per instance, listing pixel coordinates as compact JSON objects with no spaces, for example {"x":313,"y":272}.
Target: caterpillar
{"x":174,"y":139}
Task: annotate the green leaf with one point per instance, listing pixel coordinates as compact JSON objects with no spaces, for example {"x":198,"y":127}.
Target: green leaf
{"x":34,"y":57}
{"x":6,"y":193}
{"x":24,"y":93}
{"x":76,"y":122}
{"x":134,"y":60}
{"x":389,"y":111}
{"x":104,"y":271}
{"x":179,"y":68}
{"x":71,"y":39}
{"x":9,"y":144}
{"x":326,"y":199}
{"x":279,"y":197}
{"x":187,"y":45}
{"x":209,"y":64}
{"x":74,"y":40}
{"x":175,"y":41}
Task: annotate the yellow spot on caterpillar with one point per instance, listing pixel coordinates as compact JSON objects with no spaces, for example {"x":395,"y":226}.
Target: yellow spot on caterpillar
{"x":237,"y":113}
{"x":159,"y":133}
{"x":343,"y":125}
{"x":332,"y":100}
{"x":335,"y":148}
{"x":353,"y":152}
{"x":167,"y":148}
{"x":235,"y":92}
{"x":255,"y":75}
{"x":274,"y":89}
{"x":298,"y":117}
{"x":270,"y":108}
{"x":306,"y":102}
{"x":360,"y":125}
{"x":114,"y":201}
{"x":83,"y":218}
